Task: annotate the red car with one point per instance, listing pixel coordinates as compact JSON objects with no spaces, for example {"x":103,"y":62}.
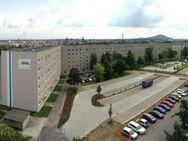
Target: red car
{"x":168,"y":103}
{"x":171,"y":100}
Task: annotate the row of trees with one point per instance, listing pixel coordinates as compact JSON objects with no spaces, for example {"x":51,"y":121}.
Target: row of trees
{"x":167,"y":54}
{"x":184,"y":52}
{"x":179,"y":133}
{"x":113,"y":65}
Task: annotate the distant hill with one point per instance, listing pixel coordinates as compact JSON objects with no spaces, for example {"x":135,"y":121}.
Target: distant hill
{"x":160,"y":37}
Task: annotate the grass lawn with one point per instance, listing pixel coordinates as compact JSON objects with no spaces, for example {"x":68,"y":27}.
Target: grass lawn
{"x":105,"y":132}
{"x":2,"y":114}
{"x":61,"y":81}
{"x":52,"y":98}
{"x":58,"y":88}
{"x":3,"y":107}
{"x":55,"y":92}
{"x":44,"y":112}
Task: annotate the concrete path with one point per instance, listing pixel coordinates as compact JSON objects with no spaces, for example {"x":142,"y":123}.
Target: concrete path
{"x":184,"y":71}
{"x":50,"y":131}
{"x":85,"y":117}
{"x":35,"y":127}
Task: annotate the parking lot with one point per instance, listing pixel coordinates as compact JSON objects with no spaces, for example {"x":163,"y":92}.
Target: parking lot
{"x":156,"y":130}
{"x":79,"y":125}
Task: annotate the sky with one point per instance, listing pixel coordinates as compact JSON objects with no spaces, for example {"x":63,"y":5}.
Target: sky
{"x":92,"y":19}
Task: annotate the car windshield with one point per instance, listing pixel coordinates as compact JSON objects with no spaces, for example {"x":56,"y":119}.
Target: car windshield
{"x":139,"y":127}
{"x":131,"y":132}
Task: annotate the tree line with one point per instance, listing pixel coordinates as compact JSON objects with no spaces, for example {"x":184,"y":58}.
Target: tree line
{"x":114,"y":65}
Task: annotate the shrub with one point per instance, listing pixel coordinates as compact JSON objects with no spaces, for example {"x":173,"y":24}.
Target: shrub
{"x":72,"y":90}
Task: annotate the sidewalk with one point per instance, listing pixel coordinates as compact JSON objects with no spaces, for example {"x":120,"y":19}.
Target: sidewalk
{"x":50,"y":131}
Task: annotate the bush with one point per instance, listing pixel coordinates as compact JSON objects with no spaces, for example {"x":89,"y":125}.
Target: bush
{"x":72,"y":90}
{"x":8,"y":134}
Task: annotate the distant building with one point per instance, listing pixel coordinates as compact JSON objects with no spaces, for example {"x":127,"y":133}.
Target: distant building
{"x":178,"y":46}
{"x":78,"y":56}
{"x":29,"y":76}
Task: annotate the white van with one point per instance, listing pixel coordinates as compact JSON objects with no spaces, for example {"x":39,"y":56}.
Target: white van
{"x":137,"y":127}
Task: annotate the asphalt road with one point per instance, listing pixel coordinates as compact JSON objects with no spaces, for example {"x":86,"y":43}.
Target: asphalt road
{"x":156,"y":131}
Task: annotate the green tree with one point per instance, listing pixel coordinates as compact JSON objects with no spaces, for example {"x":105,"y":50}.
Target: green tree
{"x":98,"y":71}
{"x":148,"y":57}
{"x":140,"y":60}
{"x":74,"y":75}
{"x":120,"y":66}
{"x":183,"y":113}
{"x":99,"y":89}
{"x":106,"y":61}
{"x":170,"y":53}
{"x":160,"y":56}
{"x":130,"y":60}
{"x":184,"y":52}
{"x":175,"y":53}
{"x":108,"y":71}
{"x":116,"y":56}
{"x":93,"y":60}
{"x":178,"y":135}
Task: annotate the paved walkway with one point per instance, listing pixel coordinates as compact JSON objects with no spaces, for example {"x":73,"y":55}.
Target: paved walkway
{"x":169,"y":69}
{"x":50,"y":131}
{"x":184,"y":71}
{"x":85,"y":117}
{"x":35,"y":127}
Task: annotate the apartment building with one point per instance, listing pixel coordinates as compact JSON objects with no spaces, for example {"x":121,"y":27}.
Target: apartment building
{"x":178,"y":46}
{"x":29,"y":76}
{"x":78,"y":56}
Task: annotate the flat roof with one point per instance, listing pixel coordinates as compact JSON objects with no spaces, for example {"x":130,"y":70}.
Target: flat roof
{"x":34,"y":49}
{"x":16,"y":115}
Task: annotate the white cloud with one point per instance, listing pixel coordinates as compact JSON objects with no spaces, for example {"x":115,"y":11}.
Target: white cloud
{"x":91,"y":19}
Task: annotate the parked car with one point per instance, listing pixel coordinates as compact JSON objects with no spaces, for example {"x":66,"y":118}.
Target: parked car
{"x":137,"y":127}
{"x":177,"y":95}
{"x":186,"y":85}
{"x":181,"y":90}
{"x":160,"y":109}
{"x":171,"y":100}
{"x":181,"y":93}
{"x":149,"y":117}
{"x":143,"y":122}
{"x":157,"y":114}
{"x":164,"y":106}
{"x":129,"y":133}
{"x":168,"y":103}
{"x":174,"y":97}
